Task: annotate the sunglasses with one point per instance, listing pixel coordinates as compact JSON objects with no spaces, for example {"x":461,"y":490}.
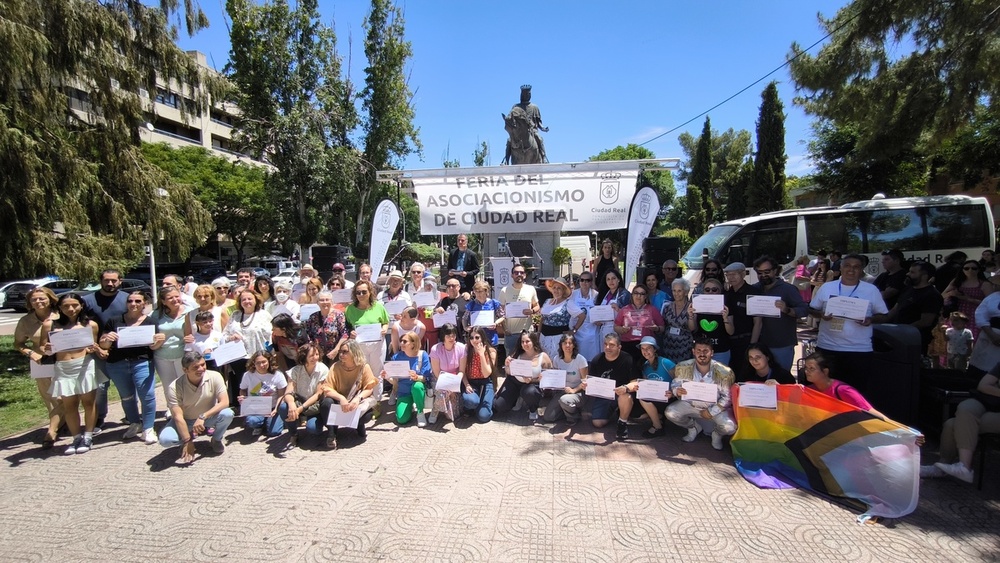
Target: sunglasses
{"x":711,"y":290}
{"x":586,"y":280}
{"x":640,"y":293}
{"x":135,"y":301}
{"x":971,"y":269}
{"x":712,"y":270}
{"x":362,"y":292}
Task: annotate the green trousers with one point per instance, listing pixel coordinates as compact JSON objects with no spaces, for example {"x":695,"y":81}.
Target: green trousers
{"x":404,"y":405}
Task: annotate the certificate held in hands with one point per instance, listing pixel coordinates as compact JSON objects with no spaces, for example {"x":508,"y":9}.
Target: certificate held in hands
{"x":847,"y":307}
{"x":256,"y":405}
{"x":448,"y":382}
{"x":229,"y":353}
{"x":602,"y":314}
{"x":702,"y":392}
{"x":601,"y":387}
{"x":553,"y":379}
{"x":345,"y":419}
{"x":368,"y":333}
{"x":483,"y":318}
{"x":398,"y":369}
{"x":71,"y":339}
{"x":651,"y":390}
{"x":135,"y":336}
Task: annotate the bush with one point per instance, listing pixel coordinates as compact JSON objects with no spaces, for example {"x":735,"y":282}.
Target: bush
{"x":686,"y":240}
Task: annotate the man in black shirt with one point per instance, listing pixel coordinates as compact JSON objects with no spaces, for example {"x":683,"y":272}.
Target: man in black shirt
{"x":612,"y":364}
{"x":920,"y":304}
{"x":103,"y":305}
{"x":892,"y":281}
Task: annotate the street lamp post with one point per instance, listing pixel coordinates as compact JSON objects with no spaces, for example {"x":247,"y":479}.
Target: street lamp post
{"x":153,"y":239}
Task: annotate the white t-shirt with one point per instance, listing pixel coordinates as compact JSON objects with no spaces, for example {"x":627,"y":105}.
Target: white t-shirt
{"x":510,"y":294}
{"x":263,"y":384}
{"x":845,"y":335}
{"x":204,"y":342}
{"x":573,"y":368}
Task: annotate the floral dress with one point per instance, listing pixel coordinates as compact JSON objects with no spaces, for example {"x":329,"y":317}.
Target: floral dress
{"x":326,"y":332}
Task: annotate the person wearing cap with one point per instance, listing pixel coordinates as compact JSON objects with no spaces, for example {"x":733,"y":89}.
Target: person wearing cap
{"x":306,"y":272}
{"x":746,"y":328}
{"x":892,"y":281}
{"x":636,"y":320}
{"x":463,"y":264}
{"x":654,"y":368}
{"x":557,"y":312}
{"x":517,"y":291}
{"x":338,"y":273}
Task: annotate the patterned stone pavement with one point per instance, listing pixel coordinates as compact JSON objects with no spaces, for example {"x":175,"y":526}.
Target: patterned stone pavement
{"x":503,"y":491}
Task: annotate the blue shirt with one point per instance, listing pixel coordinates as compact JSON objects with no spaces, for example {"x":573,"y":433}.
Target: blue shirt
{"x":662,"y":371}
{"x":420,"y":364}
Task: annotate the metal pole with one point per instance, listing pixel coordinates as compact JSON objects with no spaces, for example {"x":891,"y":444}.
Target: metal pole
{"x":152,"y":265}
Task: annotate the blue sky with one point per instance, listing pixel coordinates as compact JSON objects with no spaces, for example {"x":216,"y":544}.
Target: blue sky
{"x":603,"y":74}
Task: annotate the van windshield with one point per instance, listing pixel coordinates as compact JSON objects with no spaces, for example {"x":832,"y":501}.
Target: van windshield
{"x":710,"y":243}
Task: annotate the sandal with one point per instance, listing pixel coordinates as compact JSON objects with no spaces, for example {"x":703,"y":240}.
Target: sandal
{"x":48,"y":442}
{"x":331,"y":443}
{"x":653,"y":432}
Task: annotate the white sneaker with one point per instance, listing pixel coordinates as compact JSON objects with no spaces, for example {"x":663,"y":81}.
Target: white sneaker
{"x":149,"y":436}
{"x":692,"y":434}
{"x":957,"y":470}
{"x":931,"y":472}
{"x":133,"y":430}
{"x":433,"y":418}
{"x":717,"y":440}
{"x":533,"y":415}
{"x":421,"y":420}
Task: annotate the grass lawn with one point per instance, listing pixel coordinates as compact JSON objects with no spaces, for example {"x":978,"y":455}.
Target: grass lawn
{"x":20,"y":406}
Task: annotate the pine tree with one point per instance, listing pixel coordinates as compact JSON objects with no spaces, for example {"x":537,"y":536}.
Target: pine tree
{"x":767,"y":188}
{"x":696,"y":224}
{"x":701,"y":171}
{"x":78,"y":196}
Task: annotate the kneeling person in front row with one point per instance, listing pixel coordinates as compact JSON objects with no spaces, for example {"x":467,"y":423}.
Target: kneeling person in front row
{"x":201,"y":400}
{"x":687,"y":413}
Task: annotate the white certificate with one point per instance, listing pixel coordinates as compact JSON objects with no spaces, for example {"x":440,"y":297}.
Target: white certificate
{"x":256,"y":405}
{"x":601,"y":387}
{"x":847,"y":307}
{"x":483,"y":318}
{"x":759,"y":396}
{"x":602,"y":314}
{"x":698,"y":391}
{"x":425,"y":299}
{"x":135,"y":336}
{"x":39,"y":371}
{"x":368,"y":333}
{"x":553,"y":379}
{"x":397,"y":369}
{"x":229,"y":352}
{"x":441,"y":319}
{"x":708,"y":304}
{"x":652,"y":390}
{"x":515,"y":309}
{"x":307,"y":310}
{"x":395,"y":307}
{"x":448,"y":382}
{"x":342,"y":296}
{"x":72,"y":339}
{"x":346,"y":419}
{"x":520,"y":369}
{"x":763,"y":306}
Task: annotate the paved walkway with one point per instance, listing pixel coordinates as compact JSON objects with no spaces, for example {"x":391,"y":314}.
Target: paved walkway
{"x":504,"y":491}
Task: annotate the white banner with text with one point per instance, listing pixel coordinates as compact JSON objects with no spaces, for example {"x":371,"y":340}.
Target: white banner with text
{"x":547,"y":201}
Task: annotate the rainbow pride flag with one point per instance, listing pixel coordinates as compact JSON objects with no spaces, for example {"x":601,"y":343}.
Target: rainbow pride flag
{"x":819,"y":443}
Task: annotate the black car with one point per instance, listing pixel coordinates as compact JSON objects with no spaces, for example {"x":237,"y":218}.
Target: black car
{"x":16,"y":294}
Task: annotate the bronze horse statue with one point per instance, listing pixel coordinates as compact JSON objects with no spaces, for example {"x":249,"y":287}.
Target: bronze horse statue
{"x":522,"y":143}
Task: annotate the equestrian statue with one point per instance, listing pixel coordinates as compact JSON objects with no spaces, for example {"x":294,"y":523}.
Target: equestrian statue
{"x":523,"y":123}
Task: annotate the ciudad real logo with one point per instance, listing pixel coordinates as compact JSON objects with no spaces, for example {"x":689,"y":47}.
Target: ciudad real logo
{"x":610,"y":187}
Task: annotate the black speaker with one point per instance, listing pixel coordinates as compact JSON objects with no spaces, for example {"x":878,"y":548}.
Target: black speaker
{"x":657,"y":250}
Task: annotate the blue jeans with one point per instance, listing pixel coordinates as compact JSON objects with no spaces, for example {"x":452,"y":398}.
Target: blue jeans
{"x":220,"y":422}
{"x":101,"y":400}
{"x":480,"y":400}
{"x":273,"y":425}
{"x":134,"y":381}
{"x":314,"y":424}
{"x":784,"y":356}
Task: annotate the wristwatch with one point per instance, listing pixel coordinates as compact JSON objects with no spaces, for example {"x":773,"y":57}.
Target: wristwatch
{"x":201,"y":417}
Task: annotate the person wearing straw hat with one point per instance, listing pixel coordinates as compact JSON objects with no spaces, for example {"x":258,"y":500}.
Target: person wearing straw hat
{"x":557,"y":312}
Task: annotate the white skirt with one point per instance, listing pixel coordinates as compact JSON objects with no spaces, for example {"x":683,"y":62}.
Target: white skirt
{"x":74,"y":377}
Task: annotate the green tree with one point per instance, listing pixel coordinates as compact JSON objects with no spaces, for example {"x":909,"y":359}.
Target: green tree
{"x":234,"y":193}
{"x":846,"y":175}
{"x":902,"y":101}
{"x":730,"y":150}
{"x":297,"y":113}
{"x":481,"y":155}
{"x":766,"y":191}
{"x":696,"y":224}
{"x":701,"y":171}
{"x":973,"y":154}
{"x":736,"y":206}
{"x":77,"y":194}
{"x":388,"y":129}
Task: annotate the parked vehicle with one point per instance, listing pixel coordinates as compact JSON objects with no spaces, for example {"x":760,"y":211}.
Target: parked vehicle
{"x":4,"y":286}
{"x":127,"y":285}
{"x":16,"y":294}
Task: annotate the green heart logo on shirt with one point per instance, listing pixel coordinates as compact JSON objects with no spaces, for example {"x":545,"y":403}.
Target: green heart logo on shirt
{"x":709,"y":326}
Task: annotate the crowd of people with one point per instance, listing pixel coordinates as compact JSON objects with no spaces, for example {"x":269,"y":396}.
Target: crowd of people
{"x":325,"y":355}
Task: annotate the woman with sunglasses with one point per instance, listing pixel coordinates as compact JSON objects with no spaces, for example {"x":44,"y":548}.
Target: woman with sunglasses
{"x":637,"y":320}
{"x":479,"y":377}
{"x":584,"y":330}
{"x":411,"y":392}
{"x":131,"y":368}
{"x":967,"y":291}
{"x":365,"y":310}
{"x":715,"y":327}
